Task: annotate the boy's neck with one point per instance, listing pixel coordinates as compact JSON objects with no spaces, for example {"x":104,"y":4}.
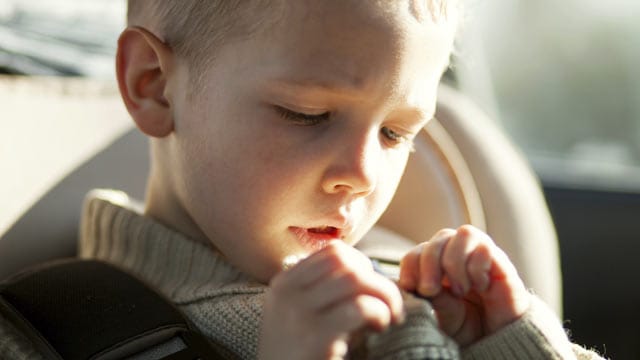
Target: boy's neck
{"x":163,"y":206}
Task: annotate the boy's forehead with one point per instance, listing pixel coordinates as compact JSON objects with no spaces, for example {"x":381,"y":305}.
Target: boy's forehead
{"x":374,"y":53}
{"x":357,"y":48}
{"x":361,"y":42}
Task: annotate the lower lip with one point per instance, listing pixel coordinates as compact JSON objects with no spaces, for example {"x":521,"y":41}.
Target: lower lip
{"x":313,"y":240}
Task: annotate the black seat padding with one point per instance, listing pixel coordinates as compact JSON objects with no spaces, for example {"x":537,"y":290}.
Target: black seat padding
{"x":84,"y":309}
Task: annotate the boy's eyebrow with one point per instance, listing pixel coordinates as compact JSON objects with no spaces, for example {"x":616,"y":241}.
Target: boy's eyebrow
{"x":294,"y":86}
{"x":416,"y":114}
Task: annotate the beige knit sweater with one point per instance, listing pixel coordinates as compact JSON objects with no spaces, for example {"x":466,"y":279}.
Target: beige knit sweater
{"x":226,"y":305}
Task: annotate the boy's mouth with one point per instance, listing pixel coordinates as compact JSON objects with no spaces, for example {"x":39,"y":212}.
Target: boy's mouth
{"x":317,"y":238}
{"x":325,"y":230}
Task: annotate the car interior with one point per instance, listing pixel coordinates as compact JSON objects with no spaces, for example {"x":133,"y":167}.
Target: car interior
{"x":573,"y":238}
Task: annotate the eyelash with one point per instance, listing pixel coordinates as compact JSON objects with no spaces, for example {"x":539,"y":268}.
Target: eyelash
{"x":396,"y":138}
{"x":315,"y":119}
{"x":302,"y":118}
{"x":392,"y":135}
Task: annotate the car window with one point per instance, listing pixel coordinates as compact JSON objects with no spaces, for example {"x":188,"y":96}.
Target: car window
{"x":60,"y":37}
{"x":562,"y":79}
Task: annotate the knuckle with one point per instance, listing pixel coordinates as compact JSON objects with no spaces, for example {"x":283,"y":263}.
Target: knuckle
{"x":446,"y":232}
{"x":354,"y":312}
{"x":407,"y":260}
{"x":362,"y":260}
{"x":333,"y":249}
{"x":371,"y":309}
{"x":394,"y":295}
{"x":450,"y":264}
{"x":412,"y":256}
{"x":359,"y":306}
{"x":431,"y":252}
{"x":386,"y":286}
{"x":466,"y":231}
{"x":343,"y":256}
{"x":336,"y":257}
{"x":468,"y":228}
{"x":350,"y":278}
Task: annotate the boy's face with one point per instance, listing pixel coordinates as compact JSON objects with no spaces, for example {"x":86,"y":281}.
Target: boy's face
{"x":302,"y":131}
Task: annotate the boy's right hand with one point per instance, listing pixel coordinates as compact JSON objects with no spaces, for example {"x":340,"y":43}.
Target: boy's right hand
{"x":311,"y":309}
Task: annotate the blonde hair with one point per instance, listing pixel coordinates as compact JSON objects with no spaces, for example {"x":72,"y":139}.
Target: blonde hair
{"x":194,"y":29}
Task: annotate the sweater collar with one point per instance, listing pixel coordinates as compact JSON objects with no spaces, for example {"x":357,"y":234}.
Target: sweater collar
{"x":113,"y":230}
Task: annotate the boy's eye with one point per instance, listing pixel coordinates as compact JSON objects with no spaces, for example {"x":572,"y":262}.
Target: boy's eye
{"x":396,"y":138}
{"x":391,"y":135}
{"x":302,"y":118}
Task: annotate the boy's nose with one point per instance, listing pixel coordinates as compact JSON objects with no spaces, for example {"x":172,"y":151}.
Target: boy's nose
{"x":354,"y":168}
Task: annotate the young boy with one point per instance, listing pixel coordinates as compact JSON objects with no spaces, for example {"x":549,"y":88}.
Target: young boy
{"x":279,"y":132}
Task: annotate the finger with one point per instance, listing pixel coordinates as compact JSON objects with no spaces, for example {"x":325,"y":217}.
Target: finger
{"x":455,"y":255}
{"x":342,"y":272}
{"x":430,"y":267}
{"x":450,"y":312}
{"x":349,"y":284}
{"x":478,"y":267}
{"x":356,"y":313}
{"x":457,"y":318}
{"x":502,"y":267}
{"x":506,"y":289}
{"x":409,"y":269}
{"x":315,"y":267}
{"x":373,"y":283}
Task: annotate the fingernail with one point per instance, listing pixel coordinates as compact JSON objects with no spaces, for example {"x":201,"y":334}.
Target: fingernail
{"x":425,"y":289}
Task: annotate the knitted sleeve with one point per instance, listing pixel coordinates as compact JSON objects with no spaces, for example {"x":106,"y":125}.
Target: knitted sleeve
{"x":537,"y":335}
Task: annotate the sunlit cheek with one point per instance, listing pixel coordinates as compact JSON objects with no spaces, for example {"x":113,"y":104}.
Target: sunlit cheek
{"x":391,"y":172}
{"x":397,"y":161}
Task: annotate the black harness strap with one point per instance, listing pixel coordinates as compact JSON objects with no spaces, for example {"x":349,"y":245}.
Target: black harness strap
{"x":83,"y":309}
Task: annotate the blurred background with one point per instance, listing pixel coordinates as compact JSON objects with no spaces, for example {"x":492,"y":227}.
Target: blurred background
{"x":60,"y":37}
{"x":561,"y":78}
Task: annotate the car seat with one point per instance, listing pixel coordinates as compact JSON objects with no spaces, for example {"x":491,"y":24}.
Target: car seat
{"x":464,"y":170}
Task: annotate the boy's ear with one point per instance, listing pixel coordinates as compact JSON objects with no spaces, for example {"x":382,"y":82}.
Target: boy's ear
{"x":143,"y":63}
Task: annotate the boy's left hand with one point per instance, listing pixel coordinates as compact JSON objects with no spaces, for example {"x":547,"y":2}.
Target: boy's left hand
{"x":474,"y":288}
